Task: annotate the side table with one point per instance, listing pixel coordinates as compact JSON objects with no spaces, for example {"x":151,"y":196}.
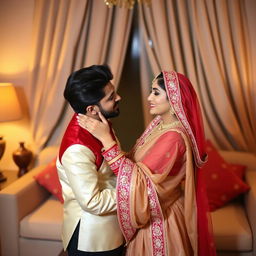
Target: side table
{"x":11,"y":176}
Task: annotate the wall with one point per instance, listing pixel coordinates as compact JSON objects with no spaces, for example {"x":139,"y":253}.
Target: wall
{"x":15,"y":29}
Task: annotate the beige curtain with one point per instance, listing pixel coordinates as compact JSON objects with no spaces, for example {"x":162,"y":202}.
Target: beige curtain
{"x":68,"y":35}
{"x":211,"y":42}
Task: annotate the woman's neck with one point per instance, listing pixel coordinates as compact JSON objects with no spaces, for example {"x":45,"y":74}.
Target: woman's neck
{"x":168,"y":118}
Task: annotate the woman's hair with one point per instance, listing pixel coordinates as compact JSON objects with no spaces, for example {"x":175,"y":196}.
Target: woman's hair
{"x":160,"y":81}
{"x":85,"y":87}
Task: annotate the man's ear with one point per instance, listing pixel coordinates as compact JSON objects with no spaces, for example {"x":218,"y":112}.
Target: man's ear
{"x":92,"y":110}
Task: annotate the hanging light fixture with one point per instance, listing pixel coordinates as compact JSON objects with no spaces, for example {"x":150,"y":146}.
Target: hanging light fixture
{"x":125,"y":3}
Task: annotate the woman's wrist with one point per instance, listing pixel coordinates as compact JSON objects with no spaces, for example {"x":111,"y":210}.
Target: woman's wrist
{"x":114,"y":156}
{"x":108,"y":142}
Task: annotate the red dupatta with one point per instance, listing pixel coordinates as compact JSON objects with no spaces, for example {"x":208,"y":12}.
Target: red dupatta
{"x":183,"y":99}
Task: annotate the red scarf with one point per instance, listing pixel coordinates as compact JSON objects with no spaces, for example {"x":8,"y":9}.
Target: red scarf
{"x":183,"y":99}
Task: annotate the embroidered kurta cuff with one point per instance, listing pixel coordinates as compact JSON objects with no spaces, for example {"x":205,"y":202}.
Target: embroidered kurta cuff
{"x":114,"y":156}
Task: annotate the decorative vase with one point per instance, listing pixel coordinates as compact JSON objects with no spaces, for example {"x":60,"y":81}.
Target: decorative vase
{"x":22,"y":158}
{"x":2,"y":148}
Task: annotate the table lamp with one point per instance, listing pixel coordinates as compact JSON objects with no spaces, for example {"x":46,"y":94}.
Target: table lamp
{"x":9,"y":111}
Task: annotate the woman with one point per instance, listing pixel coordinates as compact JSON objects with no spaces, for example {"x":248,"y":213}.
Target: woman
{"x":160,"y":198}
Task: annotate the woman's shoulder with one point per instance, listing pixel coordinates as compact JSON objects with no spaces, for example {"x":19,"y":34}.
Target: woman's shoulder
{"x":171,"y":137}
{"x":173,"y":134}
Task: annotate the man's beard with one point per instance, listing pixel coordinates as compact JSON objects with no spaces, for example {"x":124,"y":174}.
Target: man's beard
{"x":109,"y":114}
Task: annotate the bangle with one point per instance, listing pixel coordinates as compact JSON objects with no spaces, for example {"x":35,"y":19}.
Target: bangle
{"x":111,"y":153}
{"x":115,"y":158}
{"x":115,"y":165}
{"x":109,"y":147}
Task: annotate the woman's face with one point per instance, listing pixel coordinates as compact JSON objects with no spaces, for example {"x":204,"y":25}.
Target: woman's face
{"x":158,"y":103}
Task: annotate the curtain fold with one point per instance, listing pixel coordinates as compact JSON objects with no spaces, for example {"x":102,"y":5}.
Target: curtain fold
{"x":211,"y":43}
{"x":68,"y":35}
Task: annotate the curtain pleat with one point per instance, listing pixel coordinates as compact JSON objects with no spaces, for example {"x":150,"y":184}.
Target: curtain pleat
{"x":68,"y":35}
{"x":211,"y":43}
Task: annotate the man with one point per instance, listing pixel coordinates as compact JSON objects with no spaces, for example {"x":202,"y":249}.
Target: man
{"x":90,"y":225}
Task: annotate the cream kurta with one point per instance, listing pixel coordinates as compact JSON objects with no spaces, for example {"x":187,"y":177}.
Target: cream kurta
{"x":89,"y":196}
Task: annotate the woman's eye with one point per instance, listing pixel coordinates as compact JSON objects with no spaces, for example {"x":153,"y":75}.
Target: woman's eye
{"x":154,"y":92}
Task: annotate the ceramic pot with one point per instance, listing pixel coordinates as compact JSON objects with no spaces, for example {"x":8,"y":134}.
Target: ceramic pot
{"x":2,"y":149}
{"x":22,"y":158}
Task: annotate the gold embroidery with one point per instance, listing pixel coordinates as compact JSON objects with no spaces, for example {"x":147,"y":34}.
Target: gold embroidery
{"x":163,"y":126}
{"x":159,"y":129}
{"x":115,"y":159}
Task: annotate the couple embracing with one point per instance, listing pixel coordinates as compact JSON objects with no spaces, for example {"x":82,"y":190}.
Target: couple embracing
{"x":148,"y":202}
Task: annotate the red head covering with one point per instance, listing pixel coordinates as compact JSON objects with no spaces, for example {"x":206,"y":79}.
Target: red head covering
{"x":183,"y":99}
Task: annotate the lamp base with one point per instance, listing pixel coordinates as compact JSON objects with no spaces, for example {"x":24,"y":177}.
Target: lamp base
{"x":2,"y":177}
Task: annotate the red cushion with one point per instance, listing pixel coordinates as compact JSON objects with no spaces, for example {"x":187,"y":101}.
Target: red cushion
{"x":49,"y":179}
{"x":238,"y":169}
{"x":223,"y":180}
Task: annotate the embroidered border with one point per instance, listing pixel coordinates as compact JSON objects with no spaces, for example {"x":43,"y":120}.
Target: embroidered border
{"x":111,"y":153}
{"x":157,"y":222}
{"x":114,"y":157}
{"x":123,"y":209}
{"x":172,"y":84}
{"x":150,"y":127}
{"x":115,"y":165}
{"x":123,"y":199}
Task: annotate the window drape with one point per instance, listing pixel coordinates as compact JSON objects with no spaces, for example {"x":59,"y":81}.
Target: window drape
{"x":211,"y":42}
{"x":68,"y":35}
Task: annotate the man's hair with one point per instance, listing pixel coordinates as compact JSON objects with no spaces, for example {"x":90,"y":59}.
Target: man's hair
{"x":85,"y":87}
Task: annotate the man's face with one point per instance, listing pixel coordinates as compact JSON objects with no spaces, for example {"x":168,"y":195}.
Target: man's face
{"x":109,"y":104}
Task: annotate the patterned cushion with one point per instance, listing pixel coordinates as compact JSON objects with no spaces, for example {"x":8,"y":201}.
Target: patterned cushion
{"x":224,"y":181}
{"x":49,"y":179}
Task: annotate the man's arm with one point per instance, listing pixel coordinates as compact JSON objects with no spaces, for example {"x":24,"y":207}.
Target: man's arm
{"x":79,"y":164}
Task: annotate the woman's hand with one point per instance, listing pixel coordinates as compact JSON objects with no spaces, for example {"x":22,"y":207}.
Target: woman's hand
{"x":99,"y":129}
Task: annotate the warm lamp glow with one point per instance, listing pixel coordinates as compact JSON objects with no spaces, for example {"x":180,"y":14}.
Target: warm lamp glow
{"x":9,"y":104}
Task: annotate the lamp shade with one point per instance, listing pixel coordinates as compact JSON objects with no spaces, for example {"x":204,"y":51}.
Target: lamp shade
{"x":9,"y":105}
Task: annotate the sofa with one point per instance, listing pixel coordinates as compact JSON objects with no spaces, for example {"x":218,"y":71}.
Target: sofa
{"x":30,"y":220}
